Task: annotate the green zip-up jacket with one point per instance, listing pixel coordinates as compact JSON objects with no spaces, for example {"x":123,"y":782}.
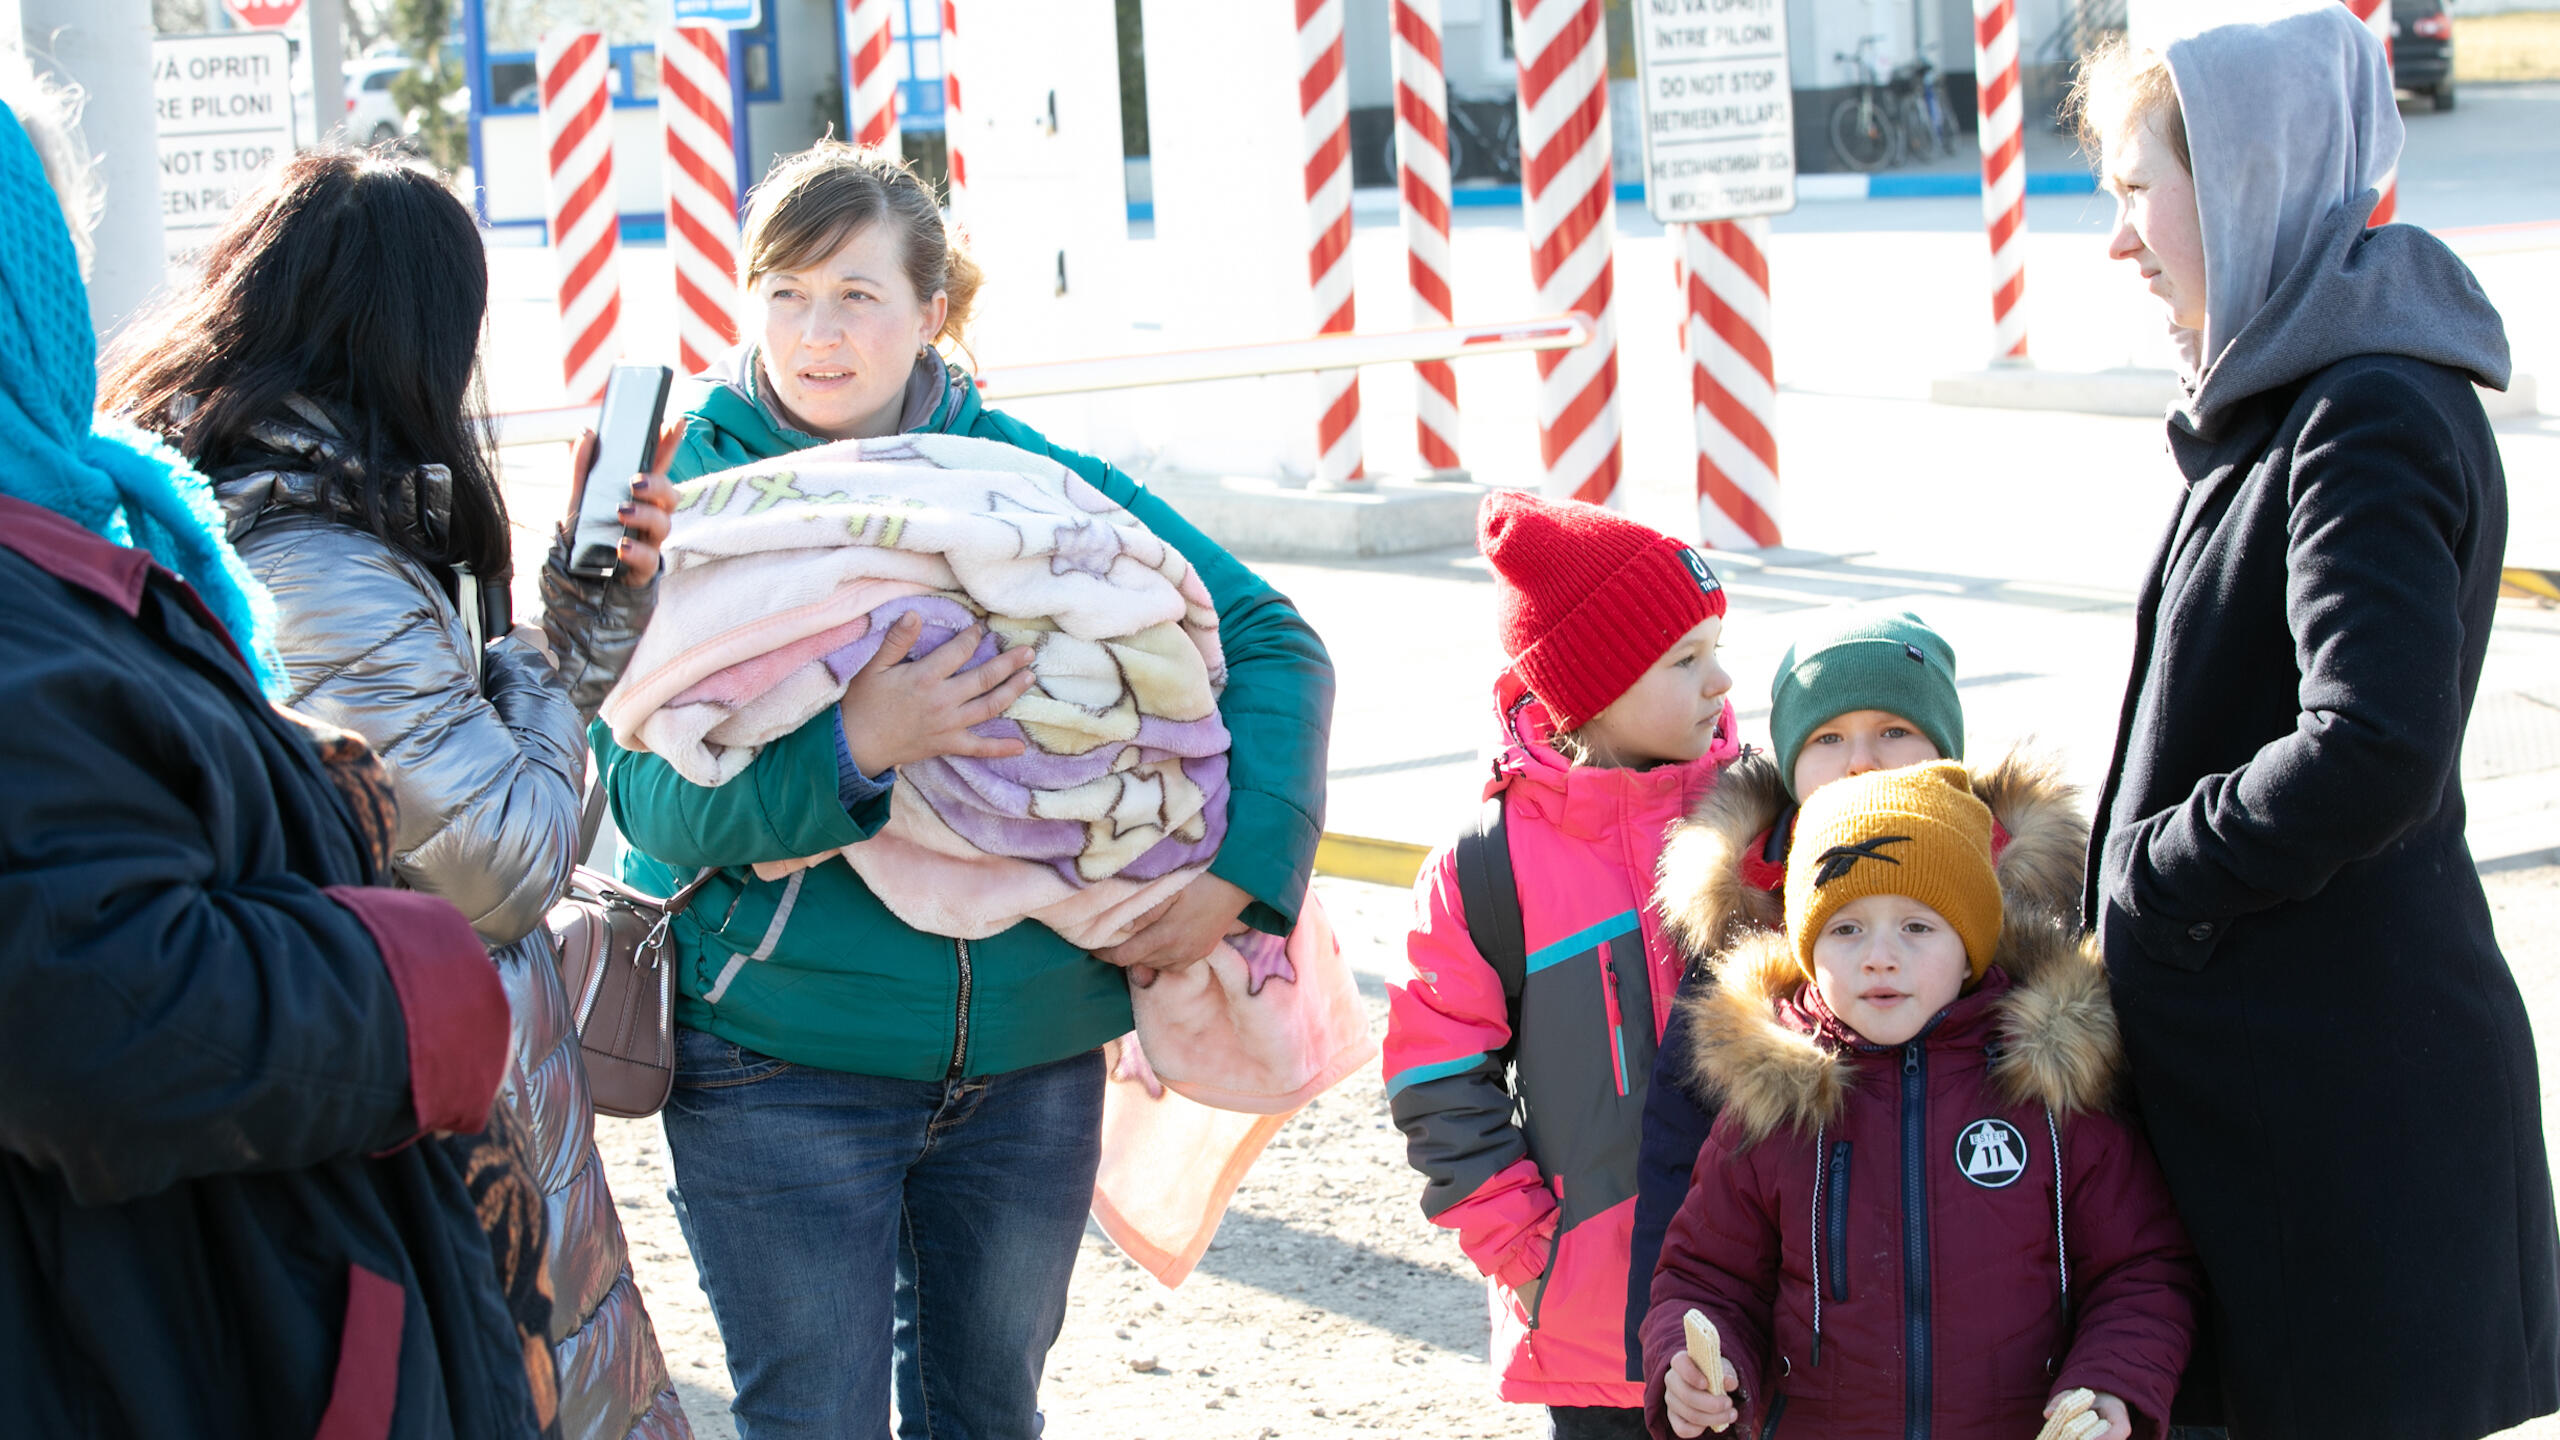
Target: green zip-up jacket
{"x":814,"y":969}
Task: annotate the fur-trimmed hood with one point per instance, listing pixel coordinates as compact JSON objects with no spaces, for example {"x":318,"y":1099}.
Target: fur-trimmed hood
{"x":1709,"y":907}
{"x":1763,"y":1042}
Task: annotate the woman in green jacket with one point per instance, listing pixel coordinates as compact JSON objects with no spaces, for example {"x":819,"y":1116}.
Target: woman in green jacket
{"x":884,"y":1140}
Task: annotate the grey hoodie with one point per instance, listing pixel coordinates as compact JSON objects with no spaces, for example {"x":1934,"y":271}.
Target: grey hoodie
{"x":2292,"y":126}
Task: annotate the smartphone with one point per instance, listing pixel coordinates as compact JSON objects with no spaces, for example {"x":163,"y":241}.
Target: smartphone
{"x":635,"y":400}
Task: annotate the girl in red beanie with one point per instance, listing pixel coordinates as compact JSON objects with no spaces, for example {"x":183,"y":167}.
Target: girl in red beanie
{"x":1519,"y":1048}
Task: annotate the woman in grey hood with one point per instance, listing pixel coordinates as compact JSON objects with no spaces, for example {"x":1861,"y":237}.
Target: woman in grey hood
{"x":2325,"y":1044}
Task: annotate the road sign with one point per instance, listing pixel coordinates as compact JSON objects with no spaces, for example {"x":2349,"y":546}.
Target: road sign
{"x":263,"y":14}
{"x":733,"y":14}
{"x":225,"y":109}
{"x":1719,"y":117}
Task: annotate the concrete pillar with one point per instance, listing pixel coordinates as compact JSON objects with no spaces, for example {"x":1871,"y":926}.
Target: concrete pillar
{"x":326,"y":54}
{"x":104,"y":47}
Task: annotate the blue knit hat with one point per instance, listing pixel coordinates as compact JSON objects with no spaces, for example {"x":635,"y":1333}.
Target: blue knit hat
{"x":108,"y":476}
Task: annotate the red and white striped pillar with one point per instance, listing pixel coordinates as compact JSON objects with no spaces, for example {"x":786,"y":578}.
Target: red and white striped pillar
{"x":959,"y":165}
{"x":586,"y":232}
{"x":702,"y":190}
{"x":2376,"y":15}
{"x":1723,"y":272}
{"x":1567,"y":194}
{"x":2002,"y":128}
{"x":1422,"y":178}
{"x":871,"y":72}
{"x":1324,"y":106}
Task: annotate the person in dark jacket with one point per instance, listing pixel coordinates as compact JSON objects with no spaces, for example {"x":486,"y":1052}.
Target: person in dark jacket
{"x":1917,"y":1214}
{"x":321,"y":376}
{"x":242,"y":1179}
{"x":2329,"y":1052}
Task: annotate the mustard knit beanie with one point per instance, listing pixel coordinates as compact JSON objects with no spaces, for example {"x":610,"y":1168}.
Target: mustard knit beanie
{"x":1917,"y":831}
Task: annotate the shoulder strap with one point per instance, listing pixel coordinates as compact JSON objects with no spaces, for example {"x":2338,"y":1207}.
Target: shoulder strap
{"x":590,"y":819}
{"x":1490,"y":895}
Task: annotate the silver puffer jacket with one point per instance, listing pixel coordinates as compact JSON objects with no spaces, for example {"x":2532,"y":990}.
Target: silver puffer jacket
{"x":488,"y":785}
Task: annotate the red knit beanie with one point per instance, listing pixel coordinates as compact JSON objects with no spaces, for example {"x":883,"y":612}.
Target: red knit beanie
{"x":1586,"y":600}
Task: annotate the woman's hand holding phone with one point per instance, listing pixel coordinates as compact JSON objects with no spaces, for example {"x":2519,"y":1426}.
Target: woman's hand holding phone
{"x":646,"y":515}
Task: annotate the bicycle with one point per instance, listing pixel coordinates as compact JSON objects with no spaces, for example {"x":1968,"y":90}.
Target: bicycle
{"x":1864,"y":133}
{"x":1920,"y":102}
{"x":1483,"y":130}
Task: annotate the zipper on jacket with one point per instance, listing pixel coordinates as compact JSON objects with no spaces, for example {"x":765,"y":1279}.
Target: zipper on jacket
{"x":1777,"y":1412}
{"x":960,"y":1025}
{"x":1617,"y":1021}
{"x":1838,"y":1239}
{"x":1915,"y":1242}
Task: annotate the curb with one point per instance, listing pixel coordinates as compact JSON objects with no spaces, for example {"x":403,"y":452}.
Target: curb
{"x":1823,"y":186}
{"x":2541,"y":584}
{"x":1377,"y":862}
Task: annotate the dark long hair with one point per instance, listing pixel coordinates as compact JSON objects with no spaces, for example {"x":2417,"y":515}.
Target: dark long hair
{"x":358,"y":282}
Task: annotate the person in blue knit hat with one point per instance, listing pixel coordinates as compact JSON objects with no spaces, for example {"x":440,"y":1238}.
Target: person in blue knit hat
{"x":245,"y":1091}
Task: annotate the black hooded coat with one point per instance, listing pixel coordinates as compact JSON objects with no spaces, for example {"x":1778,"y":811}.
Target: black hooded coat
{"x":2326,"y":1046}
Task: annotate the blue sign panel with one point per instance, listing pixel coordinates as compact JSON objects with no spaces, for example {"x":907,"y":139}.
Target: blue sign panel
{"x":735,"y":14}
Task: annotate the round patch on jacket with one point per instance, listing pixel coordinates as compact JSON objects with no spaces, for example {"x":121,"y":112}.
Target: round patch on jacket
{"x":1991,"y":1153}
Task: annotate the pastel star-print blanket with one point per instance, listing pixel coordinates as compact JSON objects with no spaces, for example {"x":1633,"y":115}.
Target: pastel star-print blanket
{"x":781,"y":580}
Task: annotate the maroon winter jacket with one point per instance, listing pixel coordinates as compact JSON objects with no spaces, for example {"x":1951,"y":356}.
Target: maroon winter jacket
{"x":1966,"y":1272}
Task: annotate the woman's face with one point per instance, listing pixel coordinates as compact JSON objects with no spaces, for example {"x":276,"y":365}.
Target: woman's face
{"x":2156,"y":224}
{"x":841,"y":336}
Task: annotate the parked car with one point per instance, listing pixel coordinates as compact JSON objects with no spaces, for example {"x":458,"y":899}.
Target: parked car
{"x":372,"y":117}
{"x":2422,"y":49}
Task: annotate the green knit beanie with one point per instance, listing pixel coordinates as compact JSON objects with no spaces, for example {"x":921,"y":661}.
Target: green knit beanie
{"x":1866,"y":662}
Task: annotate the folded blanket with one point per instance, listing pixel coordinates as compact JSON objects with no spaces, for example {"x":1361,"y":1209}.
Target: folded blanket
{"x":781,"y":580}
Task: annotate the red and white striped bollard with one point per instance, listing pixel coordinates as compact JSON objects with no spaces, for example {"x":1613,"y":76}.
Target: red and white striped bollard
{"x":1324,"y":107}
{"x":1569,"y":204}
{"x":585,"y":218}
{"x":2376,"y":15}
{"x":951,"y":111}
{"x":871,"y":72}
{"x":1723,"y":270}
{"x":702,"y":190}
{"x":1422,"y":179}
{"x":2004,"y":173}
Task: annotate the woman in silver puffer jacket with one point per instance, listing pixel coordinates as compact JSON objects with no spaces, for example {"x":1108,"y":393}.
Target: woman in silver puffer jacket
{"x":320,"y":377}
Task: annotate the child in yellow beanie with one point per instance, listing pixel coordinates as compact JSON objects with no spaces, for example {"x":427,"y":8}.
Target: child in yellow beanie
{"x":1930,"y":1081}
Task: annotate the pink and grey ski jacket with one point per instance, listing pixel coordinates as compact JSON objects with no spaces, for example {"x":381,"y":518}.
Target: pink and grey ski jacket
{"x":1527,"y":1138}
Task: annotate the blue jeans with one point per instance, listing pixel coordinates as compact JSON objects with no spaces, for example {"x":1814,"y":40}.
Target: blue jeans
{"x":849,"y":1227}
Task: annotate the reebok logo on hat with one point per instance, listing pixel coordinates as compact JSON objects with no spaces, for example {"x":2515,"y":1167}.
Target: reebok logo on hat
{"x":1840,"y":859}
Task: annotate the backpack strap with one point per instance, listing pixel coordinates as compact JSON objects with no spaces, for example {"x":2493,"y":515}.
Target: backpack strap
{"x":1490,"y":895}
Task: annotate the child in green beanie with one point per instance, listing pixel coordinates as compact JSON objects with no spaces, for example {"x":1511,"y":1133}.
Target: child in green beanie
{"x":1862,"y":692}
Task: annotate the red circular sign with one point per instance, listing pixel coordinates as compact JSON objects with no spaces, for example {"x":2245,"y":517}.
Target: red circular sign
{"x":263,"y":14}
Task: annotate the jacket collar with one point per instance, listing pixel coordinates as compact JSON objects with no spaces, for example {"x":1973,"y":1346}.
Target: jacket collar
{"x":1586,"y":801}
{"x":303,"y":463}
{"x":75,"y":554}
{"x":1707,"y":905}
{"x":1762,"y":1042}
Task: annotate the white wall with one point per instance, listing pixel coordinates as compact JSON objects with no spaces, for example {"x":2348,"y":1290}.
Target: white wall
{"x":1231,"y":228}
{"x":805,"y":54}
{"x":517,"y":173}
{"x":1042,"y":197}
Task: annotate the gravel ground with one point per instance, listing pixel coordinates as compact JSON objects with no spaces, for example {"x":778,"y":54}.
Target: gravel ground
{"x":1326,"y":1306}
